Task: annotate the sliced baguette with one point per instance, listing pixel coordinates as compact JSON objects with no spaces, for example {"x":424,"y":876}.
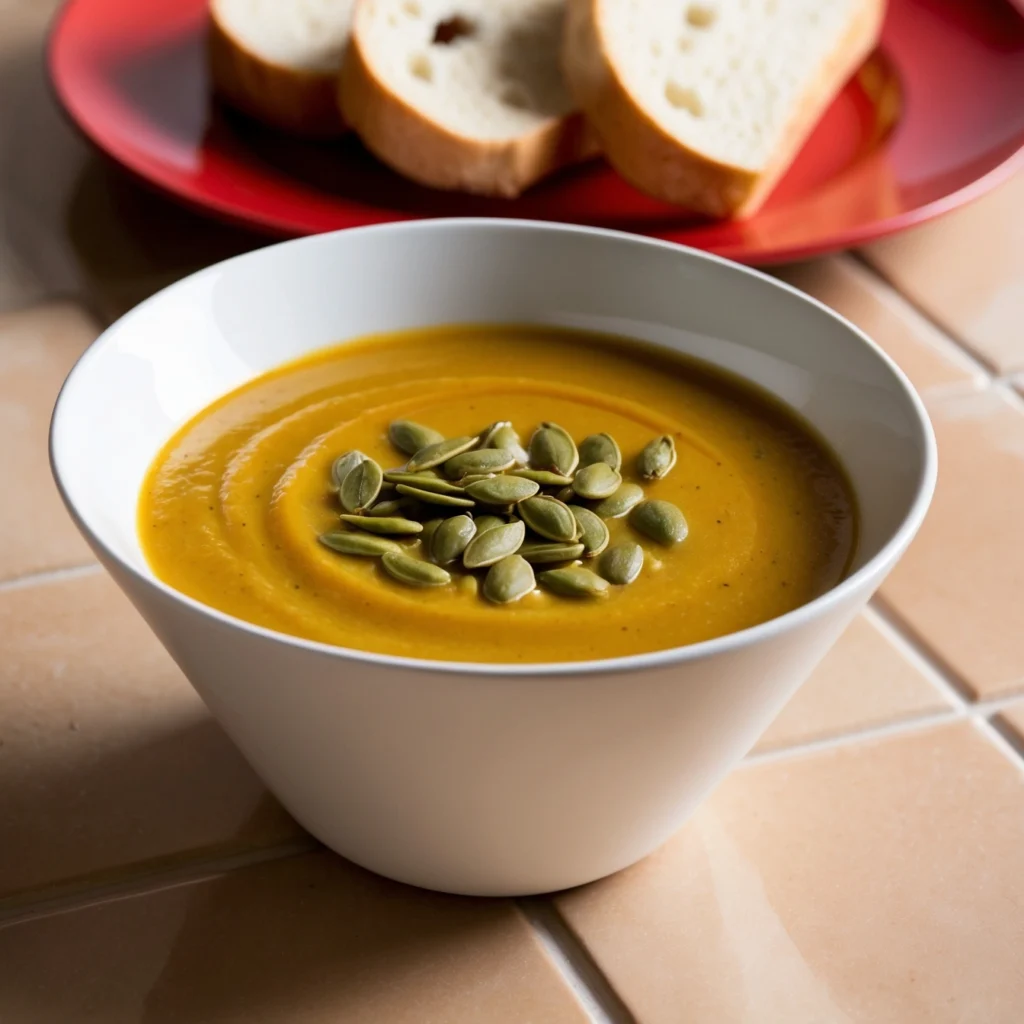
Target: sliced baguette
{"x":463,"y":95}
{"x":706,"y":104}
{"x":278,"y":60}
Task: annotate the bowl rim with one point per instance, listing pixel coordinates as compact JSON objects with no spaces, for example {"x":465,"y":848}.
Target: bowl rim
{"x":729,"y":642}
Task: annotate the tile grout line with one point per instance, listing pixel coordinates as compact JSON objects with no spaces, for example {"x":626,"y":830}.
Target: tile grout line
{"x":578,"y":968}
{"x":145,"y":883}
{"x":989,"y":369}
{"x":34,"y":579}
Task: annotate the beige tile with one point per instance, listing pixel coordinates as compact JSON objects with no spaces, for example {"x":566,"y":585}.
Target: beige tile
{"x":1011,"y":722}
{"x":310,"y":940}
{"x":877,"y":883}
{"x":107,"y":756}
{"x":864,"y":681}
{"x":928,"y":358}
{"x":37,"y":349}
{"x":40,"y":159}
{"x":959,"y":586}
{"x":966,"y":270}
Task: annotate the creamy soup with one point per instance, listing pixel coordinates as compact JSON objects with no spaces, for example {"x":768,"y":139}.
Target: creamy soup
{"x":234,"y":508}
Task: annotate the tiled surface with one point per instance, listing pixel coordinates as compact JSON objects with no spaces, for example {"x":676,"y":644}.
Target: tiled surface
{"x":960,"y":586}
{"x":862,"y":880}
{"x":108,"y":759}
{"x":928,"y":359}
{"x":309,"y":940}
{"x":879,"y":883}
{"x":864,"y":681}
{"x":966,"y":271}
{"x":37,"y":349}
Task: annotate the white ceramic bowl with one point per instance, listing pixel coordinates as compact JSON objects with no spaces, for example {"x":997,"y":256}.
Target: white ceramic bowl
{"x":485,"y":779}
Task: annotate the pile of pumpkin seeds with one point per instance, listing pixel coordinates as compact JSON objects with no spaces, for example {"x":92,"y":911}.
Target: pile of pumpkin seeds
{"x":521,"y":516}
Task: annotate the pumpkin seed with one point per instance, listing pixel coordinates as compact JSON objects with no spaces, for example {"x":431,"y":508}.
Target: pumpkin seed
{"x":430,"y":527}
{"x":451,"y":538}
{"x":484,"y":460}
{"x":344,"y":465}
{"x":509,"y":580}
{"x":411,"y":437}
{"x":596,"y":481}
{"x":361,"y":486}
{"x":544,"y":477}
{"x":574,"y":582}
{"x":621,"y":502}
{"x":493,"y":545}
{"x":425,"y":481}
{"x":659,"y":520}
{"x":502,"y":490}
{"x":538,"y":553}
{"x":503,"y":435}
{"x":386,"y":525}
{"x":474,"y":478}
{"x":431,"y":498}
{"x":349,"y":542}
{"x":600,"y":448}
{"x":552,"y":448}
{"x":434,"y":454}
{"x":566,"y":494}
{"x":386,"y":508}
{"x":485,"y":523}
{"x":621,"y":564}
{"x":593,"y":533}
{"x":657,"y":458}
{"x":549,"y":517}
{"x":413,"y":572}
{"x":469,"y":585}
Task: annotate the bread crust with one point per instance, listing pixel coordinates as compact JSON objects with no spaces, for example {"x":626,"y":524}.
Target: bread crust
{"x":429,"y":153}
{"x":293,"y":100}
{"x":652,"y":160}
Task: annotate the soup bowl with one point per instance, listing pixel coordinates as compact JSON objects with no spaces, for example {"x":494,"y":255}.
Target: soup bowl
{"x":487,"y":779}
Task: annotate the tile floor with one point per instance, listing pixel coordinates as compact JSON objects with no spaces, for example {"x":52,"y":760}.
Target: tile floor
{"x":865,"y":865}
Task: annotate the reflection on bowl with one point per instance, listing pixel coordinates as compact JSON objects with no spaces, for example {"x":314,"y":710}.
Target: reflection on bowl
{"x":485,"y":778}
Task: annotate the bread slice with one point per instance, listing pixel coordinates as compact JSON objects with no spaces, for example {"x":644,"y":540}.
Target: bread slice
{"x":278,"y":60}
{"x":465,"y":95}
{"x":705,"y":104}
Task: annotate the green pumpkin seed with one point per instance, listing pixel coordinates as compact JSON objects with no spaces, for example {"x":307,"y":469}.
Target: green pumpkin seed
{"x":549,"y":517}
{"x":596,"y":481}
{"x":493,"y":545}
{"x":621,"y":564}
{"x":544,"y":477}
{"x":552,"y":448}
{"x":659,"y":520}
{"x":387,"y":525}
{"x":425,"y":481}
{"x":469,"y":585}
{"x":509,"y":580}
{"x":600,"y":448}
{"x":485,"y":523}
{"x":474,"y":478}
{"x":574,"y":582}
{"x":502,"y":490}
{"x":566,"y":494}
{"x":413,"y":572}
{"x":348,"y":542}
{"x":621,"y":502}
{"x":503,"y":435}
{"x":593,"y":533}
{"x":361,"y":486}
{"x":657,"y":458}
{"x":411,"y":437}
{"x":432,"y":498}
{"x":434,"y":454}
{"x":430,"y":527}
{"x":344,"y":465}
{"x":451,"y":538}
{"x":484,"y":460}
{"x":538,"y":553}
{"x":386,"y":508}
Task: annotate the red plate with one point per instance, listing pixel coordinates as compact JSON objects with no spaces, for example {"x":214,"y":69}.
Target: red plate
{"x":932,"y":121}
